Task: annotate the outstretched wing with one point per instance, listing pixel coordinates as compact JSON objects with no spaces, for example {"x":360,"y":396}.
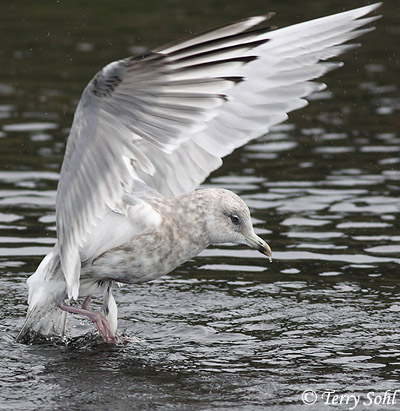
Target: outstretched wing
{"x":168,"y":118}
{"x":276,"y":83}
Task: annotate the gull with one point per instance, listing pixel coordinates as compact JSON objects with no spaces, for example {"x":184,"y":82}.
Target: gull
{"x":147,"y":132}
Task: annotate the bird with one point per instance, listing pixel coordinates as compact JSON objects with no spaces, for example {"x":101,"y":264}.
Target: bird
{"x":148,"y":130}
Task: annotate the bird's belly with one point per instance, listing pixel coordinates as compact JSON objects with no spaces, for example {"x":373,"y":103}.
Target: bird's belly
{"x":133,"y":263}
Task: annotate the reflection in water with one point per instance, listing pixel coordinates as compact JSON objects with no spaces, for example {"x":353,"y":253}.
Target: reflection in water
{"x":228,"y":329}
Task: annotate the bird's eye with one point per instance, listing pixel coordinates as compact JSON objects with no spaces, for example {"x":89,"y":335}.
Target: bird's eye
{"x":235,"y":219}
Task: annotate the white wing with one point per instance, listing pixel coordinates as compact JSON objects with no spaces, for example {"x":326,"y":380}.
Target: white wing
{"x":275,"y":84}
{"x":168,"y":117}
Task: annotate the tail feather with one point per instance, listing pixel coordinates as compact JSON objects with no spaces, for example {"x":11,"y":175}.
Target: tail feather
{"x":44,"y":318}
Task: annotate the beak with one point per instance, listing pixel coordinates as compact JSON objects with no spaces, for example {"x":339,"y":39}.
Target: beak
{"x":259,"y":244}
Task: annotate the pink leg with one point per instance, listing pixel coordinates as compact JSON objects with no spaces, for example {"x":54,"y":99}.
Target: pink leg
{"x":86,"y":301}
{"x":97,"y":318}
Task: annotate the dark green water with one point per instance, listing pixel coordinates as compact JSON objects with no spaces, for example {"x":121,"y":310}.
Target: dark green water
{"x":228,"y":330}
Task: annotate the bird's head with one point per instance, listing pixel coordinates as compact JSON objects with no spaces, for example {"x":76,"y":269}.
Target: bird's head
{"x":228,"y":221}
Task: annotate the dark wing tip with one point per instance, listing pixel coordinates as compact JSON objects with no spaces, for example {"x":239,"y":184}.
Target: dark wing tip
{"x":106,"y":80}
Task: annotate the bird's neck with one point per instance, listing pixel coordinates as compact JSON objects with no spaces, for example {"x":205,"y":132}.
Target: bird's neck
{"x":188,"y":217}
{"x":183,"y":223}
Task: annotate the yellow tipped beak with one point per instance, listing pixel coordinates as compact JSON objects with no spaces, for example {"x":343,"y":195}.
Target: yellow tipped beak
{"x":259,"y":244}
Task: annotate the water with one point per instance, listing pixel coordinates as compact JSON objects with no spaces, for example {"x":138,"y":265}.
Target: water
{"x":228,"y":330}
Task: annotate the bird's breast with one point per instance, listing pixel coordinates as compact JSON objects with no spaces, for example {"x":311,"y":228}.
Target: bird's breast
{"x":148,"y":255}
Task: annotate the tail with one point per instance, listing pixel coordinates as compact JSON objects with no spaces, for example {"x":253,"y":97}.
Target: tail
{"x":44,"y":318}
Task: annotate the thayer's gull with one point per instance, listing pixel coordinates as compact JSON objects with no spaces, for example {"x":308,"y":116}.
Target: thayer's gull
{"x":147,"y":131}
